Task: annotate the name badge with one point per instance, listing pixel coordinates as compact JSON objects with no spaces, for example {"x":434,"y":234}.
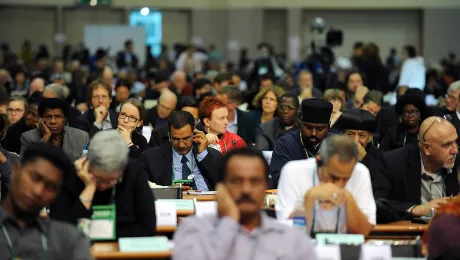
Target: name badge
{"x":205,"y":208}
{"x":166,"y":213}
{"x":375,"y":252}
{"x":103,"y":223}
{"x":328,"y":252}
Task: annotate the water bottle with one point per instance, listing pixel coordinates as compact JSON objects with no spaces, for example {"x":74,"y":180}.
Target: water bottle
{"x":85,"y":151}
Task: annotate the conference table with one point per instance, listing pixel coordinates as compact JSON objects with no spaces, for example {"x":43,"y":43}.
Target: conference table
{"x":110,"y":250}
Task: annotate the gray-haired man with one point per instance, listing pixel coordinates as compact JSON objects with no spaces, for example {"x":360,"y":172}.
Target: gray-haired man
{"x":334,"y":189}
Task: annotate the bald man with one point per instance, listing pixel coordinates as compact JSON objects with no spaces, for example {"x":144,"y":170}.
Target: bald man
{"x":417,"y":178}
{"x":37,"y":85}
{"x":158,"y":116}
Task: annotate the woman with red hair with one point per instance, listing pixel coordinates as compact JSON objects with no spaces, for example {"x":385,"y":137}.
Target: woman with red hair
{"x":213,"y":114}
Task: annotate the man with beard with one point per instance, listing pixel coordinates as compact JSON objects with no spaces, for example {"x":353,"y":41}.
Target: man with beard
{"x":270,"y":131}
{"x":416,"y":179}
{"x":305,"y":142}
{"x":241,"y":230}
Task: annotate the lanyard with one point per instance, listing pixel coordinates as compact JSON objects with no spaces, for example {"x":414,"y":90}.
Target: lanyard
{"x":308,"y":153}
{"x":10,"y":244}
{"x":112,"y":198}
{"x":312,"y":232}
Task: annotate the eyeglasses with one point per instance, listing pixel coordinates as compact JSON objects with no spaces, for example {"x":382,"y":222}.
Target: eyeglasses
{"x":286,"y":107}
{"x":123,"y":116}
{"x":176,"y":141}
{"x":17,"y":111}
{"x":439,"y":120}
{"x":449,"y":96}
{"x":100,"y":98}
{"x":410,"y":113}
{"x":106,"y":182}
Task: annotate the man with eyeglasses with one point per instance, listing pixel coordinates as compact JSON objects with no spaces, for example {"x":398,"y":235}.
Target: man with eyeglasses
{"x":99,"y":117}
{"x":185,"y":157}
{"x":415,"y":180}
{"x":303,"y":143}
{"x":270,"y":131}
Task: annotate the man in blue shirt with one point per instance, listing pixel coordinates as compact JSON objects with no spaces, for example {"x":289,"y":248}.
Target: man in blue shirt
{"x":186,"y":156}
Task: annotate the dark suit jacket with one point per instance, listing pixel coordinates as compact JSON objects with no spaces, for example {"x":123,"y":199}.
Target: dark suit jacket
{"x":269,"y":132}
{"x":394,"y":138}
{"x":12,"y":142}
{"x":399,"y":185}
{"x":159,"y":137}
{"x":247,"y":125}
{"x":158,"y":163}
{"x":73,"y":144}
{"x":456,"y":122}
{"x":134,"y":202}
{"x":386,"y":118}
{"x":74,"y":113}
{"x":85,"y":122}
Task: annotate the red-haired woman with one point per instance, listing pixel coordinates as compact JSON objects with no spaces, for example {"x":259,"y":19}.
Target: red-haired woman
{"x":213,"y":114}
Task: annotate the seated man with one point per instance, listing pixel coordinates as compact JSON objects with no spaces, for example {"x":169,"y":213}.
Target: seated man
{"x":62,"y":92}
{"x":270,"y":131}
{"x":185,"y":156}
{"x":99,"y":117}
{"x":416,"y":179}
{"x":160,"y":136}
{"x":305,"y":142}
{"x":334,"y":189}
{"x":241,"y":230}
{"x":108,"y":177}
{"x":360,"y":125}
{"x":35,"y":183}
{"x":157,"y":117}
{"x":52,"y":129}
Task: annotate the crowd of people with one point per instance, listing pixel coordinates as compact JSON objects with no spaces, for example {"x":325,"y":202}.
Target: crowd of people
{"x":338,"y":150}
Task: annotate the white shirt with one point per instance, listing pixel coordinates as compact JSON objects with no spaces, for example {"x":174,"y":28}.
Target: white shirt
{"x":413,"y":73}
{"x":232,"y":127}
{"x":297,"y":178}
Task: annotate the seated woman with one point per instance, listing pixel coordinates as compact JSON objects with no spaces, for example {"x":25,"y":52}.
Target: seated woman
{"x":130,"y":126}
{"x":335,"y":97}
{"x":107,"y":176}
{"x":213,"y":114}
{"x":266,"y":102}
{"x":442,"y":234}
{"x":412,"y":111}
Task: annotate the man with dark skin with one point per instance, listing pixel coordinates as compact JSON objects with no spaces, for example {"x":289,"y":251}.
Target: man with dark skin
{"x":305,"y":142}
{"x":272,"y":130}
{"x":35,"y":183}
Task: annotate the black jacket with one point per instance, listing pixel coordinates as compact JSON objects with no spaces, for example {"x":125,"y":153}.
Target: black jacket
{"x":158,"y":163}
{"x":399,"y":183}
{"x":74,"y":113}
{"x":85,"y":122}
{"x":159,"y":137}
{"x":12,"y":142}
{"x":269,"y":132}
{"x":397,"y":137}
{"x":372,"y":161}
{"x":133,"y":199}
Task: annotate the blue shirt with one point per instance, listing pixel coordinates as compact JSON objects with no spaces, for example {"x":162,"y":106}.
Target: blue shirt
{"x":192,"y":165}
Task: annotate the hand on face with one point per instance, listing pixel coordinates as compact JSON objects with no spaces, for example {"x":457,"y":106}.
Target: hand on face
{"x":200,"y":139}
{"x":82,"y":165}
{"x":226,"y":206}
{"x":331,"y":193}
{"x":125,"y":133}
{"x":44,"y":130}
{"x":361,"y":151}
{"x":100,"y":113}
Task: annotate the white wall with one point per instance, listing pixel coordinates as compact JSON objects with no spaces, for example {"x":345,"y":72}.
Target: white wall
{"x":275,"y":22}
{"x":385,"y":28}
{"x":441,"y":33}
{"x":21,"y":23}
{"x":75,"y":20}
{"x":176,"y":27}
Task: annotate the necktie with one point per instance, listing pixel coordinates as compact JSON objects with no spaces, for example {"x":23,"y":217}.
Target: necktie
{"x":185,"y":170}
